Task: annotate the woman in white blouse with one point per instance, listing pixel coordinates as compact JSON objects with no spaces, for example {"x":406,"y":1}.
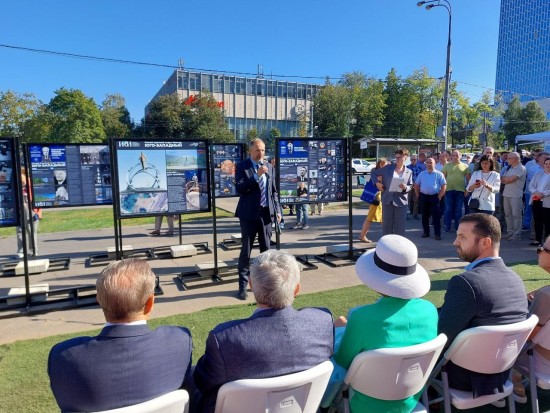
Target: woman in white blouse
{"x":483,"y":185}
{"x":540,"y":201}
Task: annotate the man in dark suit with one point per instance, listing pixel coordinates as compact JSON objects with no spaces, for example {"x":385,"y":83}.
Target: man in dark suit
{"x":127,"y":363}
{"x":488,"y":293}
{"x":303,"y":175}
{"x":274,"y":341}
{"x":258,"y":207}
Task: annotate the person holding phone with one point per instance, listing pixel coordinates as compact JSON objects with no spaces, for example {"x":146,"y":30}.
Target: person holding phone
{"x":483,"y":185}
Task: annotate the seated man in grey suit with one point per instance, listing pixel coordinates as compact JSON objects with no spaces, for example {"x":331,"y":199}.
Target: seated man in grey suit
{"x":127,"y":363}
{"x":488,"y":293}
{"x":276,"y":340}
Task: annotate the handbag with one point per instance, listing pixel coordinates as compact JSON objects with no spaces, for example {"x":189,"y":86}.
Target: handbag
{"x":369,"y":193}
{"x":474,"y":203}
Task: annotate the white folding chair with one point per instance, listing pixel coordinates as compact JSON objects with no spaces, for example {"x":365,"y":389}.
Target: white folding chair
{"x":537,"y":379}
{"x":294,"y":393}
{"x":488,"y":350}
{"x":393,"y":373}
{"x":176,"y":401}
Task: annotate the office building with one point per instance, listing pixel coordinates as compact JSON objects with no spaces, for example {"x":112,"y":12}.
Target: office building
{"x":523,"y":59}
{"x":249,"y":103}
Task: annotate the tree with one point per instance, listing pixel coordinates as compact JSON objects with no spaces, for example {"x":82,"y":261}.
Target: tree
{"x":76,"y":118}
{"x":368,"y":104}
{"x":512,"y":122}
{"x":533,"y":118}
{"x":522,"y":121}
{"x":15,"y":110}
{"x":400,"y":118}
{"x":39,"y":128}
{"x":116,"y":117}
{"x":428,"y":95}
{"x":333,"y":110}
{"x":165,"y":118}
{"x":252,"y":134}
{"x":203,"y":117}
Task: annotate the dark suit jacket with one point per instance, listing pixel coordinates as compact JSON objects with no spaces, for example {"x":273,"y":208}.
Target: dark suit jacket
{"x":400,"y":198}
{"x":270,"y":343}
{"x":489,"y":294}
{"x":248,"y":188}
{"x":123,"y":365}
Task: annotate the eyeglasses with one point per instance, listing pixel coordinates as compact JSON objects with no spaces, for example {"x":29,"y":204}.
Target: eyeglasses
{"x":541,"y":249}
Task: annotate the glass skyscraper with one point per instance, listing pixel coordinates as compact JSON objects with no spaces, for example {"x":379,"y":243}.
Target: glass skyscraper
{"x":523,"y":60}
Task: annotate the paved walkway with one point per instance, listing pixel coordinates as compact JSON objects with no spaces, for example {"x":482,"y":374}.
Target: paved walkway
{"x":329,"y":229}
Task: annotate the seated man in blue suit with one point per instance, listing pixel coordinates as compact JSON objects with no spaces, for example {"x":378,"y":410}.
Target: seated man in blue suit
{"x":127,"y":363}
{"x":274,"y":341}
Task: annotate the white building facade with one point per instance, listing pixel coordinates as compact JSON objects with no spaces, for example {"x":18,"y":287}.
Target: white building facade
{"x":250,"y":102}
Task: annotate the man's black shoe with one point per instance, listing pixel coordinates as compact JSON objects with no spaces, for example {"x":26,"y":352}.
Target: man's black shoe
{"x":242,"y":295}
{"x":425,"y":235}
{"x":438,"y":238}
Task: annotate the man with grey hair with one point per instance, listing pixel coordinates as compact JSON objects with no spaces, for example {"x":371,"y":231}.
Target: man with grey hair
{"x":127,"y":363}
{"x":489,"y":151}
{"x":514,"y":180}
{"x":275,"y":340}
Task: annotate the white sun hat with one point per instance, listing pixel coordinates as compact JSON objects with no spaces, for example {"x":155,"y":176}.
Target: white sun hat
{"x":392,"y":268}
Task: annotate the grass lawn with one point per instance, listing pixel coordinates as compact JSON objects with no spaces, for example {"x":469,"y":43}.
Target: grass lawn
{"x":24,"y":384}
{"x":60,"y":220}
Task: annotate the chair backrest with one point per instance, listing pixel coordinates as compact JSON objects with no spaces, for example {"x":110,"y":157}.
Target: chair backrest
{"x":490,"y":349}
{"x":394,"y":373}
{"x":176,"y":401}
{"x":543,"y":337}
{"x":294,"y":393}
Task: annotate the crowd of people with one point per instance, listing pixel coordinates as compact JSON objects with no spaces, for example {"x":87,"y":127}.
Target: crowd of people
{"x":129,"y":362}
{"x":510,"y":186}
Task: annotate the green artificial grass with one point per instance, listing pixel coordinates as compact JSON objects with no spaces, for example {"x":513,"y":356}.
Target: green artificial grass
{"x":61,"y":220}
{"x":24,"y":384}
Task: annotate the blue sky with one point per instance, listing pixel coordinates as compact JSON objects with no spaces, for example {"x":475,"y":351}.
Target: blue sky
{"x":292,"y":38}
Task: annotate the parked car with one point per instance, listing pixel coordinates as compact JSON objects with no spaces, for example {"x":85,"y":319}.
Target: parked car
{"x":360,"y":166}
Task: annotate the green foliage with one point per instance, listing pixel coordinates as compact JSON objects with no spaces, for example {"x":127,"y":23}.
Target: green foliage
{"x":15,"y":110}
{"x":116,"y":117}
{"x":252,"y":134}
{"x":203,"y":117}
{"x":39,"y":128}
{"x":333,"y":111}
{"x":197,"y":117}
{"x":76,"y":118}
{"x":164,"y":118}
{"x":522,"y":121}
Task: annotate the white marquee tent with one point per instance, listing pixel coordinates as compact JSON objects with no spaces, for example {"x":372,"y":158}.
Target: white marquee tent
{"x":540,"y":137}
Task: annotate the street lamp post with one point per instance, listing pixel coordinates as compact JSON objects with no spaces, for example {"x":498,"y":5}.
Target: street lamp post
{"x":430,"y":4}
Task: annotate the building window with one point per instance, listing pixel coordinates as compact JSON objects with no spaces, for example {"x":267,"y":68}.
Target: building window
{"x":206,"y":82}
{"x":183,"y":80}
{"x":194,"y":81}
{"x":239,"y":85}
{"x":271,"y":88}
{"x":301,"y":91}
{"x":249,"y":86}
{"x":260,"y":87}
{"x":217,"y":83}
{"x":281,"y":89}
{"x":291,"y":90}
{"x":229,"y":84}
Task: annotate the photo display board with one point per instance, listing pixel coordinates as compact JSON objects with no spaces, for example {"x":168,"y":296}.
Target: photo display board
{"x":70,"y":175}
{"x":312,"y":170}
{"x":9,"y":200}
{"x":162,"y":177}
{"x":226,"y":159}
